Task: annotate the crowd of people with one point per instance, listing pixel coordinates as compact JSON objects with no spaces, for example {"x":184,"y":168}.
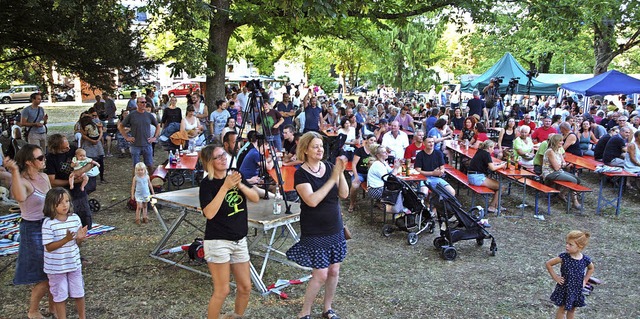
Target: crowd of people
{"x":374,"y":135}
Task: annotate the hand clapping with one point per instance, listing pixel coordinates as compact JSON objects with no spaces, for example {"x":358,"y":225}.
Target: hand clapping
{"x":232,"y":180}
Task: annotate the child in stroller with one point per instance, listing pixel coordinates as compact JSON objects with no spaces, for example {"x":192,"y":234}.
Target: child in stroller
{"x":406,"y":207}
{"x":468,"y":225}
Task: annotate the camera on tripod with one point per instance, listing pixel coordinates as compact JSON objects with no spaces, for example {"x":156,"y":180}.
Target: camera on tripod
{"x":497,"y":80}
{"x":254,"y":86}
{"x":532,"y":73}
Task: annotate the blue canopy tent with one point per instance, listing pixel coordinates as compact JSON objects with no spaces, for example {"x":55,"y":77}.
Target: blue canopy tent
{"x":508,"y":68}
{"x":612,"y":82}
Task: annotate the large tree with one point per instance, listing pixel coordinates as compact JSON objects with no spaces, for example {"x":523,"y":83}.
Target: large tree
{"x":285,"y":19}
{"x":91,"y":39}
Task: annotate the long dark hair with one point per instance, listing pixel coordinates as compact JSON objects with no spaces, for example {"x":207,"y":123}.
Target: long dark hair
{"x":53,"y":199}
{"x":25,"y":154}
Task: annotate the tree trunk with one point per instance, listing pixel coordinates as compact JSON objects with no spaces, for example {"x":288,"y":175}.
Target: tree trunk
{"x":544,"y":62}
{"x":603,"y":52}
{"x":220,"y":30}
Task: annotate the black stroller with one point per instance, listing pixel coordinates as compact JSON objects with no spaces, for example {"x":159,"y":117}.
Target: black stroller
{"x":406,"y":208}
{"x":467,"y":225}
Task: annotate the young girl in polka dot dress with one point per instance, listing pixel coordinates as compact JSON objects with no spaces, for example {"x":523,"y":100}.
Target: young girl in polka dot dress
{"x":568,"y":292}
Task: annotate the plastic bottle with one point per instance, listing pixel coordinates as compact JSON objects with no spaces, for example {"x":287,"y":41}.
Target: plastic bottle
{"x":171,"y":158}
{"x":277,"y":203}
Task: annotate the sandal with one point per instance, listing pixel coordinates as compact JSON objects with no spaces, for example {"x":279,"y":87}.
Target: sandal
{"x":330,"y":314}
{"x":351,"y":209}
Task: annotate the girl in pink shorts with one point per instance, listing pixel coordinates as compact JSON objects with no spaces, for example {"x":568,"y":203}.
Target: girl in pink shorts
{"x":62,"y":232}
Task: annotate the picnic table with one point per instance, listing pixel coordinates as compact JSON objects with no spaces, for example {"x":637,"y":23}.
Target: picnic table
{"x":591,"y":164}
{"x":186,"y":165}
{"x":260,"y":217}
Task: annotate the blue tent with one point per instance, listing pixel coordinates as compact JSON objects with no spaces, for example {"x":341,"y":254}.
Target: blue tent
{"x":508,"y":68}
{"x":612,"y":82}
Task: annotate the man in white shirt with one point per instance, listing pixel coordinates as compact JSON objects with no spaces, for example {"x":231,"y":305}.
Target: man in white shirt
{"x":243,"y":97}
{"x":395,"y":141}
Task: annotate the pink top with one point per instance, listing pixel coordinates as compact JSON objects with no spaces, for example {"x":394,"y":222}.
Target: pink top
{"x":31,"y":208}
{"x":404,"y":121}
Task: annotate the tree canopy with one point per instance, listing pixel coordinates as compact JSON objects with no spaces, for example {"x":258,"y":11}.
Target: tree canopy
{"x":91,"y":39}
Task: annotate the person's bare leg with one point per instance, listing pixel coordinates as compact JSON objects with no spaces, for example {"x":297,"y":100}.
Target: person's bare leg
{"x":319,"y":276}
{"x":80,"y":308}
{"x":330,"y":285}
{"x":37,"y":292}
{"x":61,"y":309}
{"x":72,"y":179}
{"x":242,"y":276}
{"x":220,"y":276}
{"x":85,"y":181}
{"x":560,"y":313}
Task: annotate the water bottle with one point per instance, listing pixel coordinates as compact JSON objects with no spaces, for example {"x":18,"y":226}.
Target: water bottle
{"x":192,"y":145}
{"x":277,"y":203}
{"x":171,"y":158}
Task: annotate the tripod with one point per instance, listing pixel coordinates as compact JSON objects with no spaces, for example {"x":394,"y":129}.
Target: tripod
{"x":252,"y":113}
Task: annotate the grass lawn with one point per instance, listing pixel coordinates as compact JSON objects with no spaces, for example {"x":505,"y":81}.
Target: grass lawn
{"x":380,"y":278}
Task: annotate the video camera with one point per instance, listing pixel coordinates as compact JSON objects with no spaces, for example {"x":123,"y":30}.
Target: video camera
{"x":254,"y":86}
{"x":532,"y":73}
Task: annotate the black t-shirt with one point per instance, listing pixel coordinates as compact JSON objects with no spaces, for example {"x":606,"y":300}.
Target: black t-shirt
{"x":480,"y":162}
{"x":290,"y":146}
{"x":475,"y":106}
{"x":363,"y":163}
{"x":324,"y":219}
{"x":598,"y":150}
{"x":230,"y":223}
{"x":458,"y":123}
{"x":507,"y":139}
{"x":613,"y":149}
{"x":170,"y":115}
{"x":60,"y":166}
{"x":575,"y":147}
{"x":429,"y":162}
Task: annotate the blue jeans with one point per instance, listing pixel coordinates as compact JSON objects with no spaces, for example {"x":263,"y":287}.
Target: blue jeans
{"x":147,"y":154}
{"x":276,"y":140}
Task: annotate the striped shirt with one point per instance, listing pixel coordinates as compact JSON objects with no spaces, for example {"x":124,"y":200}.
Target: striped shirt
{"x":66,"y":258}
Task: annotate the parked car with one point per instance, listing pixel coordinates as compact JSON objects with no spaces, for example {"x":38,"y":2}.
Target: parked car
{"x":182,"y":89}
{"x":125,"y":92}
{"x":19,"y":93}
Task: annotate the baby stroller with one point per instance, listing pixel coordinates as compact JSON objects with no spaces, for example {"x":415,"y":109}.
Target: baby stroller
{"x":466,"y":226}
{"x":406,"y":208}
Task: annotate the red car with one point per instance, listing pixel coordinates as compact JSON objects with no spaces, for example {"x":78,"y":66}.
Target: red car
{"x":183,"y":89}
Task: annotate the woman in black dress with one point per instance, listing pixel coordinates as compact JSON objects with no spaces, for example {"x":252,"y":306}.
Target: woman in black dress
{"x":322,"y":245}
{"x":223,"y":199}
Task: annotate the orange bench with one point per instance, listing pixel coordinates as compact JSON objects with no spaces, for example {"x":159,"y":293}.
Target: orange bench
{"x":158,"y":177}
{"x":461,"y":177}
{"x":540,"y":188}
{"x":576,"y":188}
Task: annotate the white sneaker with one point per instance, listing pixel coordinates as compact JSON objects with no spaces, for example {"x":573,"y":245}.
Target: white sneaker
{"x":539,"y":217}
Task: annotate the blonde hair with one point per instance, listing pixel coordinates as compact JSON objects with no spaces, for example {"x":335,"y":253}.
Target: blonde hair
{"x":581,"y":238}
{"x":303,"y":144}
{"x":554,"y":141}
{"x":143,"y":166}
{"x":487,"y":145}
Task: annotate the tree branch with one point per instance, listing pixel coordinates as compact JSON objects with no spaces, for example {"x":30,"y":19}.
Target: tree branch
{"x":18,"y":58}
{"x":405,"y":14}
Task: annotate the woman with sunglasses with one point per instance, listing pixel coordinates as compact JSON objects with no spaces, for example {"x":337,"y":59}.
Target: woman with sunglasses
{"x":223,"y":199}
{"x":29,"y":185}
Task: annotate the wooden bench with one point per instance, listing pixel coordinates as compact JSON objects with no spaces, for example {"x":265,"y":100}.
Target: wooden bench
{"x":372,"y":202}
{"x":158,"y":177}
{"x":539,"y":188}
{"x":576,"y":188}
{"x":462,"y":179}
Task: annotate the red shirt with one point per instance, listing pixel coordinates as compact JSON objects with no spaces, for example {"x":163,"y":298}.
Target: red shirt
{"x":531,"y":124}
{"x":412,"y":150}
{"x":541,"y":134}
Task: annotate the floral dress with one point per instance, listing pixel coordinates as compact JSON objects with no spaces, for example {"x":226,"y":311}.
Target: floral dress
{"x":570,"y":294}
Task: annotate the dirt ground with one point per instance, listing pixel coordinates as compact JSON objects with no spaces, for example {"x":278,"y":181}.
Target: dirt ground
{"x":380,"y":278}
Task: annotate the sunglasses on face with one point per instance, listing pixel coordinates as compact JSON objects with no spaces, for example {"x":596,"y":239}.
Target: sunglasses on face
{"x":40,"y":158}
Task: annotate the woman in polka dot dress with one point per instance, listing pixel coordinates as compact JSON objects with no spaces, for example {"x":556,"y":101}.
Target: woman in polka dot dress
{"x":568,"y":292}
{"x":322,"y":245}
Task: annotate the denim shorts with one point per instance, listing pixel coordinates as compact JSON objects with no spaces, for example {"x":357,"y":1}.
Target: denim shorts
{"x":434,"y":181}
{"x":362,"y":177}
{"x":476,"y":179}
{"x":220,"y":251}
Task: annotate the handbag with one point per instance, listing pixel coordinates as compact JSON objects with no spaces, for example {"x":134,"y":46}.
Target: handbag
{"x":347,"y":233}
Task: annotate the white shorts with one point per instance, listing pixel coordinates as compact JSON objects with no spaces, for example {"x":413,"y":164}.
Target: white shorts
{"x":220,"y":251}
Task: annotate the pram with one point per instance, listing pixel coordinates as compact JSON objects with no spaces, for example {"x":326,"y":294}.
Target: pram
{"x":406,"y":208}
{"x":467,"y":225}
